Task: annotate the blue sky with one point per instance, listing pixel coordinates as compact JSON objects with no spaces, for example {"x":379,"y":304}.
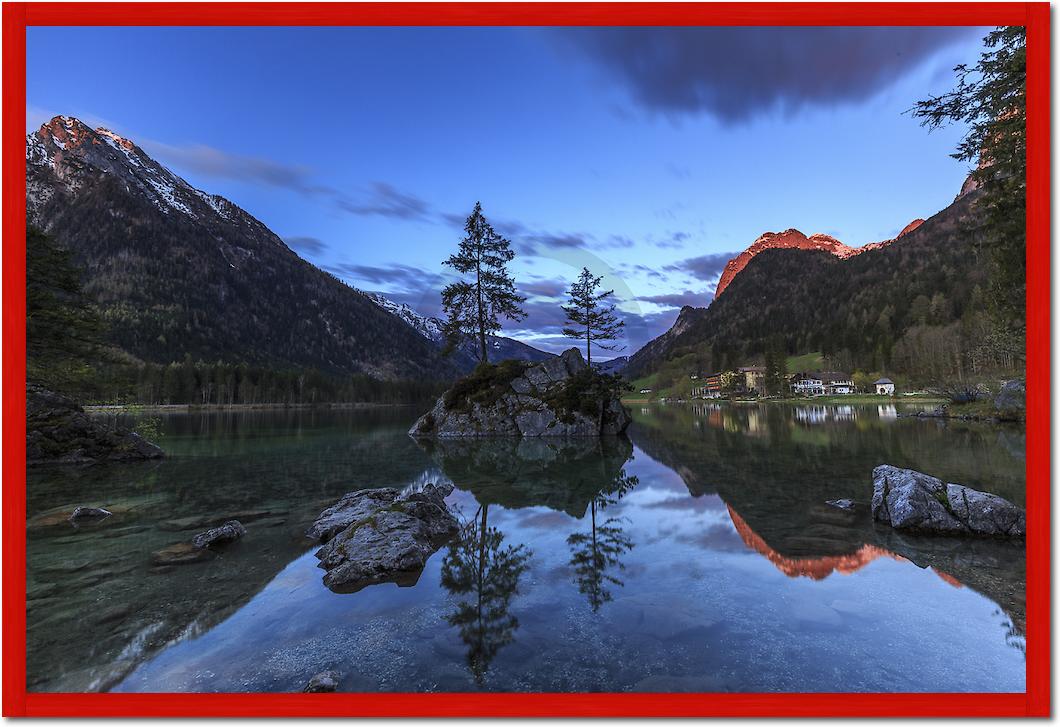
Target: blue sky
{"x":650,"y":156}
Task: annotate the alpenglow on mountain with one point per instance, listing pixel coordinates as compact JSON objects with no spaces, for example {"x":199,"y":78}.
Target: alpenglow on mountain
{"x":177,"y":271}
{"x":792,"y":239}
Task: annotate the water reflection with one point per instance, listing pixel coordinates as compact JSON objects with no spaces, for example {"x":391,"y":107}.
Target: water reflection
{"x":776,"y":492}
{"x":560,"y":474}
{"x":596,"y":555}
{"x":709,"y":561}
{"x":486,"y":573}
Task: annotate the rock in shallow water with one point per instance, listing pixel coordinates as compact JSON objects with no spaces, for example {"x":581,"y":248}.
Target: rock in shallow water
{"x":843,"y":504}
{"x":89,"y":513}
{"x":325,"y":681}
{"x":383,"y":535}
{"x":227,"y":533}
{"x":910,"y":500}
{"x":180,"y":554}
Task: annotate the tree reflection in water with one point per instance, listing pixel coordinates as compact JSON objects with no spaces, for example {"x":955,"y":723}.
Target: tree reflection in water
{"x":596,"y":553}
{"x":477,"y":566}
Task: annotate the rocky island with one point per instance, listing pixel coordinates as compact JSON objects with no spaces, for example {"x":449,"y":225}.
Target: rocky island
{"x":561,"y":397}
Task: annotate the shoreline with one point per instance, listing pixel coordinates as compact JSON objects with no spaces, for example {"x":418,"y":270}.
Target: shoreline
{"x":194,"y":408}
{"x":838,"y":399}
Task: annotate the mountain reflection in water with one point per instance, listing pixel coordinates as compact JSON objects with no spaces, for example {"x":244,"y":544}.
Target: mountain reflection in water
{"x":582,"y":565}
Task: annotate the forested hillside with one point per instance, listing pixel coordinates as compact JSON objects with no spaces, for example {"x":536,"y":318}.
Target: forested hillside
{"x":178,"y":273}
{"x":915,"y":307}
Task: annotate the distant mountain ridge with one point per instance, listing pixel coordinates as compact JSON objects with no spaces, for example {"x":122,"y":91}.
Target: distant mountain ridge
{"x":815,"y":294}
{"x":500,"y":347}
{"x":177,"y":271}
{"x":793,"y":239}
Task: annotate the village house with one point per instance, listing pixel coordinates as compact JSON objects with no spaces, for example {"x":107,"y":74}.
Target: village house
{"x":710,"y":388}
{"x":836,"y":382}
{"x":822,"y":383}
{"x":804,"y":384}
{"x":752,"y":377}
{"x":884,"y":387}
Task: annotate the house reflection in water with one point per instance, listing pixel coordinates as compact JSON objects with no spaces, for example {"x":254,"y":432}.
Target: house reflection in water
{"x":887,"y":411}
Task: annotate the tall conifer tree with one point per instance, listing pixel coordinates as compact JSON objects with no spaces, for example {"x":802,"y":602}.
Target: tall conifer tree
{"x":474,"y":305}
{"x":588,"y":319}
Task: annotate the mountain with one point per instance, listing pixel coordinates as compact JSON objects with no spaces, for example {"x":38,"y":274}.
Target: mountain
{"x":614,"y":366}
{"x":866,"y":307}
{"x":500,"y":347}
{"x":177,"y":271}
{"x":792,"y":239}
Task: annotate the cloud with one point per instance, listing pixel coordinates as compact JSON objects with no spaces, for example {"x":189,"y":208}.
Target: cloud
{"x":403,"y":276}
{"x":378,"y":199}
{"x":704,"y":267}
{"x":560,"y":240}
{"x":737,"y":74}
{"x":675,"y":241}
{"x":211,"y":162}
{"x":679,"y":300}
{"x":544,"y":288}
{"x":310,"y":245}
{"x":383,"y":200}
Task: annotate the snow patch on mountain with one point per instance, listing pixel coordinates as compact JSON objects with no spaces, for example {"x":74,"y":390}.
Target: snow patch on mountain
{"x":428,"y":327}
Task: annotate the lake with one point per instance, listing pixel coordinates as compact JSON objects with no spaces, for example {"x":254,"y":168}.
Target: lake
{"x":697,"y":555}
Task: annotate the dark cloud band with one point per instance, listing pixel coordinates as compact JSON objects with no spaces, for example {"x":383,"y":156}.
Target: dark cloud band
{"x":739,"y":73}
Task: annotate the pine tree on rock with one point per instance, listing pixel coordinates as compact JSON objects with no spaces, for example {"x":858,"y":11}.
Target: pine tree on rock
{"x":474,"y":305}
{"x":596,"y":322}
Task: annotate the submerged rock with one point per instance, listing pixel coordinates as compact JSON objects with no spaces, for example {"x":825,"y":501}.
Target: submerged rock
{"x":325,"y":681}
{"x":180,"y":554}
{"x":383,"y":535}
{"x":231,"y":531}
{"x":843,"y":504}
{"x":89,"y":513}
{"x":59,"y":431}
{"x":555,"y":398}
{"x":913,"y":501}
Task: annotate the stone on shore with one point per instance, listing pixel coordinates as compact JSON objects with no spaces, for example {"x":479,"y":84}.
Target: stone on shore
{"x":1011,"y":401}
{"x":59,"y":431}
{"x":383,"y":535}
{"x":913,"y":501}
{"x":560,"y":397}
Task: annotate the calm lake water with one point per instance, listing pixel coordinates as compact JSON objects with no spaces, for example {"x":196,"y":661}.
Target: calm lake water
{"x":696,"y":555}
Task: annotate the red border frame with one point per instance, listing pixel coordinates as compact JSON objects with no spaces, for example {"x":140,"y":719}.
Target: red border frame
{"x":1035,"y":702}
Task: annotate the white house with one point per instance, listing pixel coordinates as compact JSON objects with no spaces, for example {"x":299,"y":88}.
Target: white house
{"x":808,"y":386}
{"x":884,"y":386}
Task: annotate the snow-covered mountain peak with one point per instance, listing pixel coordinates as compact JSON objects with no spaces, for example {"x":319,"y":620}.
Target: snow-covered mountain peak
{"x":73,"y":151}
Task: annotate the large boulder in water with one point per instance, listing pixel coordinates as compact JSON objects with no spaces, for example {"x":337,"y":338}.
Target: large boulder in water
{"x":383,"y":535}
{"x":910,"y":500}
{"x":59,"y":431}
{"x":560,"y":397}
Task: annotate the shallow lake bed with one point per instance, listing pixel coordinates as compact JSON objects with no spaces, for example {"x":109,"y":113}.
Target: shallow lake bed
{"x":698,"y":555}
